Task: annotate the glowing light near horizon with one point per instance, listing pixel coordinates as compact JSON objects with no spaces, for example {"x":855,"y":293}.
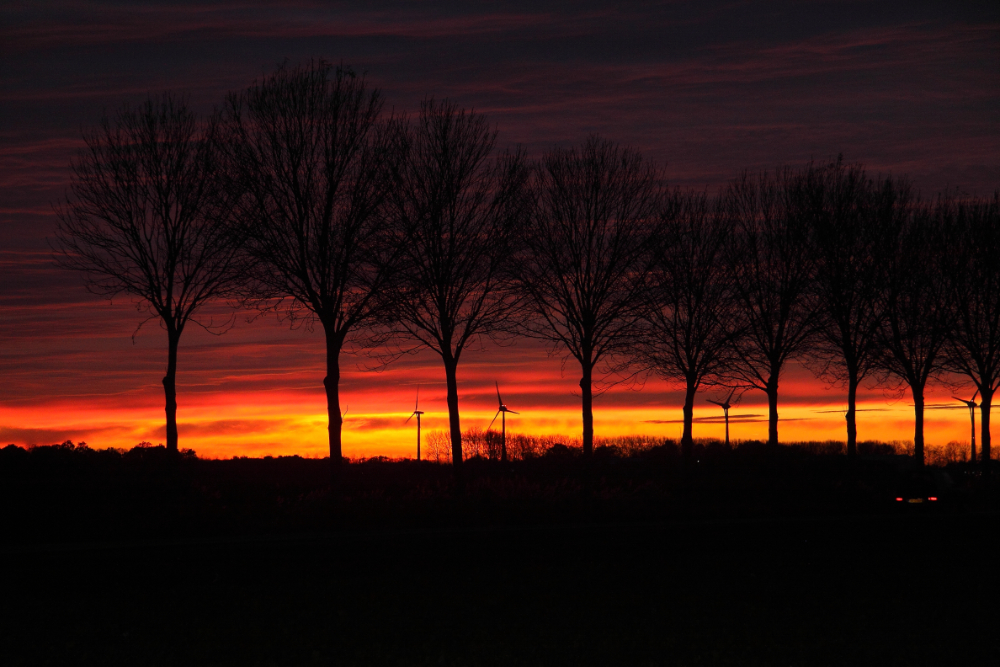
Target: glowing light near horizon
{"x":252,"y":396}
{"x":297,"y":424}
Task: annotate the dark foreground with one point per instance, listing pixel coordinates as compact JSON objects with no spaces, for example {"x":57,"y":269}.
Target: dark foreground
{"x":523,"y":578}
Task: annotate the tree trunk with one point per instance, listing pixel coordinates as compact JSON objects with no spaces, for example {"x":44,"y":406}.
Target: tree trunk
{"x":687,"y":439}
{"x":772,"y":410}
{"x":986,"y":402}
{"x":170,"y":388}
{"x":918,"y":426}
{"x":586,"y":387}
{"x":451,"y":376}
{"x":331,"y":382}
{"x":852,"y":418}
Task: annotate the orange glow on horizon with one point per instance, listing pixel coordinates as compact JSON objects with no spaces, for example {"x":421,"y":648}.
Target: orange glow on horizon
{"x":295,"y":422}
{"x":258,"y":391}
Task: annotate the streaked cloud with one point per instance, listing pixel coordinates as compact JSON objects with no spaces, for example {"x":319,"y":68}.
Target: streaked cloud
{"x":707,"y":88}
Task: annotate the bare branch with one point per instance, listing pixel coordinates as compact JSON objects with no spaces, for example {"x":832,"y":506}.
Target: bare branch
{"x":588,"y":253}
{"x":461,"y":211}
{"x":144,"y":217}
{"x":309,"y":164}
{"x":771,"y":270}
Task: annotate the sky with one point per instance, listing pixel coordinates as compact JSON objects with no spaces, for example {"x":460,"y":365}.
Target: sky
{"x":706,"y":89}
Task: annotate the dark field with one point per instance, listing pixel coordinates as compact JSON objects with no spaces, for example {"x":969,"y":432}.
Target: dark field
{"x":750,"y":559}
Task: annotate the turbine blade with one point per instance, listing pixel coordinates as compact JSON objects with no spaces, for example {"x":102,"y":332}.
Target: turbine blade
{"x":715,"y":402}
{"x":513,"y":413}
{"x":409,"y":418}
{"x":499,"y":400}
{"x":976,"y":394}
{"x":493,"y":420}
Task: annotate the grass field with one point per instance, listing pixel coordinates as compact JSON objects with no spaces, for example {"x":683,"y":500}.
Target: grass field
{"x":749,"y":559}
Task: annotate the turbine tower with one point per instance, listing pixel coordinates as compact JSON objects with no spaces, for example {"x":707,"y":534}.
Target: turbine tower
{"x":725,"y":409}
{"x":502,"y":410}
{"x":417,"y":412}
{"x":972,"y":405}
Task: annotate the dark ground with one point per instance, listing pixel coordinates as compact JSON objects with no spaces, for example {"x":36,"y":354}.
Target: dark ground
{"x":746,"y":562}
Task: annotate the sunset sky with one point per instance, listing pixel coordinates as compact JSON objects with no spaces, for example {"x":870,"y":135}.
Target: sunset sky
{"x":706,"y":88}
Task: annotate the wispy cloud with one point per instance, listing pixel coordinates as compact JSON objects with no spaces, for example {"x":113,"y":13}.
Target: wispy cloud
{"x":708,"y":88}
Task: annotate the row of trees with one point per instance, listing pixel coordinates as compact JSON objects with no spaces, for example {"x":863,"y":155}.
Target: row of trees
{"x":853,"y":274}
{"x":302,"y":194}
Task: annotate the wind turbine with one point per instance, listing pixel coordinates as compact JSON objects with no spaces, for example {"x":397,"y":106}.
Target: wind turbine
{"x":417,"y":412}
{"x":972,"y":405}
{"x":502,"y":410}
{"x":725,"y":409}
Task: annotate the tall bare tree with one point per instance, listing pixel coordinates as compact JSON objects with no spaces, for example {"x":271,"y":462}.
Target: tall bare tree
{"x":919,"y":311}
{"x":854,"y":223}
{"x":771,"y":272}
{"x":143,"y":218}
{"x":461,"y":208}
{"x":688,"y":300}
{"x":588,"y":254}
{"x":310,"y":158}
{"x":972,"y":267}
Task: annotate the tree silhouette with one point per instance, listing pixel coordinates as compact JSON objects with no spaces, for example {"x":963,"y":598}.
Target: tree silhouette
{"x":854,"y":222}
{"x":919,"y":314}
{"x":973,"y":271}
{"x":770,"y":271}
{"x":143,"y":218}
{"x":310,"y":159}
{"x":588,"y":254}
{"x":688,"y":300}
{"x":461,"y":211}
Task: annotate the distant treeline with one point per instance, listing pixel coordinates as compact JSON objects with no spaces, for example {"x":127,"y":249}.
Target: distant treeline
{"x":302,"y":194}
{"x":522,"y":446}
{"x":485,"y":445}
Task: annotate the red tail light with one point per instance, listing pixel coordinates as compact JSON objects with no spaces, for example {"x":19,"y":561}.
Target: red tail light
{"x":899,"y":500}
{"x":932,"y":498}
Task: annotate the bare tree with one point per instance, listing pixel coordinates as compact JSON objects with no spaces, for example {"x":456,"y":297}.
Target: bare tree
{"x":973,"y":272}
{"x":311,"y":158}
{"x":688,"y":301}
{"x":771,"y":271}
{"x":588,"y":254}
{"x":919,"y":314}
{"x":143,"y":218}
{"x":461,"y":209}
{"x":854,"y":223}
